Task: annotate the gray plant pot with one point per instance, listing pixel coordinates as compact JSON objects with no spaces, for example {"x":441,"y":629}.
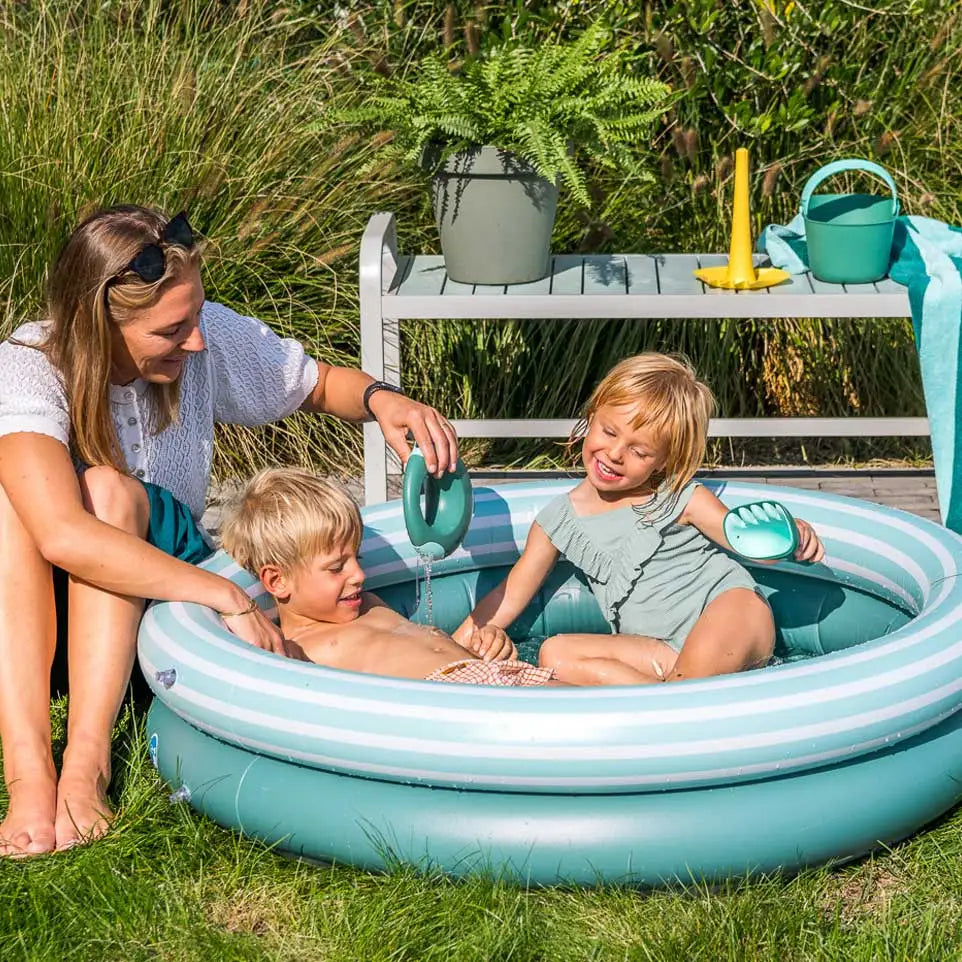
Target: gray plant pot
{"x":495,"y":215}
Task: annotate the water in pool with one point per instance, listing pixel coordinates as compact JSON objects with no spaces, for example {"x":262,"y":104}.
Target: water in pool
{"x":813,"y":616}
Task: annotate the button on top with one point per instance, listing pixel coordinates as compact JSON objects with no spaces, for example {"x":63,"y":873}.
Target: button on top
{"x":131,"y":421}
{"x":140,"y":472}
{"x":135,"y":447}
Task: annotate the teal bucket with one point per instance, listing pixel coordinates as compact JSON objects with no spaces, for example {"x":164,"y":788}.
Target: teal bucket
{"x":849,"y":235}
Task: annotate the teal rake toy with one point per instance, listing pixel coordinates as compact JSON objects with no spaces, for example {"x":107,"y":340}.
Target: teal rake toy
{"x":437,"y":523}
{"x":762,"y":530}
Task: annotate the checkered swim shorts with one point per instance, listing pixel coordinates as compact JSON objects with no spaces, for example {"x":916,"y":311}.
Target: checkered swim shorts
{"x":511,"y":674}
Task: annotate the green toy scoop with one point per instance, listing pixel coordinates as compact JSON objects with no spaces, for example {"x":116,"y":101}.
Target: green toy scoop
{"x":762,"y":530}
{"x":437,"y":524}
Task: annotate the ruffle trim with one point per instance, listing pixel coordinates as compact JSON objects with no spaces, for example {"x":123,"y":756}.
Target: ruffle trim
{"x":567,"y":533}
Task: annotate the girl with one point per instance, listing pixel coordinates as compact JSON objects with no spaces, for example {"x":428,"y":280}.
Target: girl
{"x":646,"y":536}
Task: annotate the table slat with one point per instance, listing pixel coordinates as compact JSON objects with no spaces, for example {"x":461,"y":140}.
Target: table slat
{"x":676,"y":274}
{"x":642,"y":274}
{"x":425,"y":277}
{"x":605,"y":274}
{"x":566,"y":277}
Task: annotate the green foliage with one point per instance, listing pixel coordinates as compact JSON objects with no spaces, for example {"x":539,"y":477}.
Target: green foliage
{"x":223,"y":109}
{"x":543,"y":103}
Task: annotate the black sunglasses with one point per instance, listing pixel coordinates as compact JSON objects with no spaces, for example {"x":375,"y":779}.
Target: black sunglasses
{"x":149,"y":265}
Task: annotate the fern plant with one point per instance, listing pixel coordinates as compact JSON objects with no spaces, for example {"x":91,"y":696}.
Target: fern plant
{"x":552,"y":106}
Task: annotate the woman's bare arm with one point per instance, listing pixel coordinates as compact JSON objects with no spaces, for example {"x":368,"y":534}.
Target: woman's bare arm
{"x":38,"y":477}
{"x":339,"y":391}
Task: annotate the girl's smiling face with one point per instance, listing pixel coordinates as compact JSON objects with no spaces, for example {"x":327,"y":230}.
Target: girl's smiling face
{"x":154,"y":344}
{"x":619,"y":458}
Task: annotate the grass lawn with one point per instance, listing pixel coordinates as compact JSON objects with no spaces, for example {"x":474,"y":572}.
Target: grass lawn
{"x":167,"y":884}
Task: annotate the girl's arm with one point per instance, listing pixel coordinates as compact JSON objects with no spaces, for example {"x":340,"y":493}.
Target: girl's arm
{"x":38,"y":477}
{"x":707,"y":513}
{"x":503,"y":604}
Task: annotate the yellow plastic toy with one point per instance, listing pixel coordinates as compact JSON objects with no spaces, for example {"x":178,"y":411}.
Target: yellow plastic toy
{"x":740,"y":273}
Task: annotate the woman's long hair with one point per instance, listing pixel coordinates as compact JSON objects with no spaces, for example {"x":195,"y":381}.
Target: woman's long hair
{"x":89,"y":291}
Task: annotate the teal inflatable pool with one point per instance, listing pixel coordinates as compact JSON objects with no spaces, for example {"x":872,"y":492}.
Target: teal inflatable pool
{"x":853,"y":740}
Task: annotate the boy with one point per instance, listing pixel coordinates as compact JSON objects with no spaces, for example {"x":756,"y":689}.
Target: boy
{"x":300,"y":534}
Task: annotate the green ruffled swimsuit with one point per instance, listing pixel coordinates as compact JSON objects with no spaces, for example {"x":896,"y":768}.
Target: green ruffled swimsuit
{"x":650,"y":575}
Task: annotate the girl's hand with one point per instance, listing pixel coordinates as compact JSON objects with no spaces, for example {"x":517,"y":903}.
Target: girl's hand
{"x":810,"y":548}
{"x":491,"y":643}
{"x":257,"y":630}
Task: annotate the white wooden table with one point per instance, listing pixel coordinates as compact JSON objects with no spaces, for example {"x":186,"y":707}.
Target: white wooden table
{"x":396,"y":287}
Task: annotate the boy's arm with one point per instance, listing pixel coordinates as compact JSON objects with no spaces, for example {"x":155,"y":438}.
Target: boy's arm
{"x":489,"y":643}
{"x":505,"y":602}
{"x":707,"y":513}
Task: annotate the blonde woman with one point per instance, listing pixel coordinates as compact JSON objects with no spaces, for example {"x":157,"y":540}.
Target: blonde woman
{"x":107,"y":412}
{"x":648,"y":538}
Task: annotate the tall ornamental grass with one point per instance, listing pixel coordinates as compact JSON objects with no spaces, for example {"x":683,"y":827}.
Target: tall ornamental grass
{"x":194,"y":106}
{"x":221,"y":109}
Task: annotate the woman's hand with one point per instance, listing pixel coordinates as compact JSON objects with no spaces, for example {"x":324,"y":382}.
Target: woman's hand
{"x":256,"y":629}
{"x":491,"y":643}
{"x":810,"y":547}
{"x":433,"y":434}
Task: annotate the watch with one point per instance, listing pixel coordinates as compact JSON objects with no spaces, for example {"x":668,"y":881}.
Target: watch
{"x":373,"y":388}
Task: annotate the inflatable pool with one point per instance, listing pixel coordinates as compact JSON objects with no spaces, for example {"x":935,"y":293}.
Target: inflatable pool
{"x":852,"y":741}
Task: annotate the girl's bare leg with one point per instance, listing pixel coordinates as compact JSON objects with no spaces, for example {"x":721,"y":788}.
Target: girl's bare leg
{"x":103,"y":636}
{"x":584,"y":659}
{"x":735,"y":632}
{"x":27,"y":641}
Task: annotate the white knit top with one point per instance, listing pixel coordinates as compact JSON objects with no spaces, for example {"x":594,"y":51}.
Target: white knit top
{"x":246,"y":375}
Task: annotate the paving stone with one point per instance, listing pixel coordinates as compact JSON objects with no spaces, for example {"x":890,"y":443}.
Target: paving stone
{"x":897,"y":486}
{"x":908,"y":502}
{"x":809,"y":484}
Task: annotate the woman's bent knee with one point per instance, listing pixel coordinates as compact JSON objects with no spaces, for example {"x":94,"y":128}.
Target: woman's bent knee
{"x":115,"y":498}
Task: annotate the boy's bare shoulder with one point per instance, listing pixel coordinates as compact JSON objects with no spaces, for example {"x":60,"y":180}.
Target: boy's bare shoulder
{"x":375,"y":611}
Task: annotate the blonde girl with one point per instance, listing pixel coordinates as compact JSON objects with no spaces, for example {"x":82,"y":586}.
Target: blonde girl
{"x":649,"y":540}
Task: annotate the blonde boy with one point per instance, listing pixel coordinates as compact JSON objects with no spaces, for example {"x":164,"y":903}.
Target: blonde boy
{"x":300,"y":534}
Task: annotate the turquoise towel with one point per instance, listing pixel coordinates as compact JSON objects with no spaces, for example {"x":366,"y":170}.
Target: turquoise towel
{"x":927,"y":259}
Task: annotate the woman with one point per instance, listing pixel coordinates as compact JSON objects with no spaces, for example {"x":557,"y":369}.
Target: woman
{"x":106,"y":435}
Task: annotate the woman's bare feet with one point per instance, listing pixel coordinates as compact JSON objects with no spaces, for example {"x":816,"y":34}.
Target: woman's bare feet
{"x":83,"y":813}
{"x":28,"y":828}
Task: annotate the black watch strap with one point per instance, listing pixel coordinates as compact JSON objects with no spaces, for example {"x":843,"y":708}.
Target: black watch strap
{"x":372,"y":388}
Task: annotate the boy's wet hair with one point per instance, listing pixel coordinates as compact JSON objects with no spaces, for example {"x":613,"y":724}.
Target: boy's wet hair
{"x":670,"y":401}
{"x":288,"y":516}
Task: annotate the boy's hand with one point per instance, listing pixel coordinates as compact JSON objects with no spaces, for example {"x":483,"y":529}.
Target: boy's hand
{"x":490,"y":643}
{"x":810,"y":548}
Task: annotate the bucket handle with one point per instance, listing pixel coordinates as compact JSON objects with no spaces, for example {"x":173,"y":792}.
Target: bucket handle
{"x":836,"y":167}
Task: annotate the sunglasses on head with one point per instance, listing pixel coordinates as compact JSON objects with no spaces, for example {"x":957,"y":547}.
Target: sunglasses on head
{"x":149,"y":264}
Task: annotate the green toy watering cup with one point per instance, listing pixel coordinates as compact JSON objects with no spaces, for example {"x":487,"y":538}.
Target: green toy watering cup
{"x":849,"y":235}
{"x":437,"y":525}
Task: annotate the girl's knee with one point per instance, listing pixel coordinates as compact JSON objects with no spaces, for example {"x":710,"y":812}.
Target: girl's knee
{"x":760,"y":625}
{"x":554,"y":651}
{"x":115,"y":498}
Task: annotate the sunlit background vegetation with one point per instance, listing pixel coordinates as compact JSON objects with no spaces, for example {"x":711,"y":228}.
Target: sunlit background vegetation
{"x":220,"y":108}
